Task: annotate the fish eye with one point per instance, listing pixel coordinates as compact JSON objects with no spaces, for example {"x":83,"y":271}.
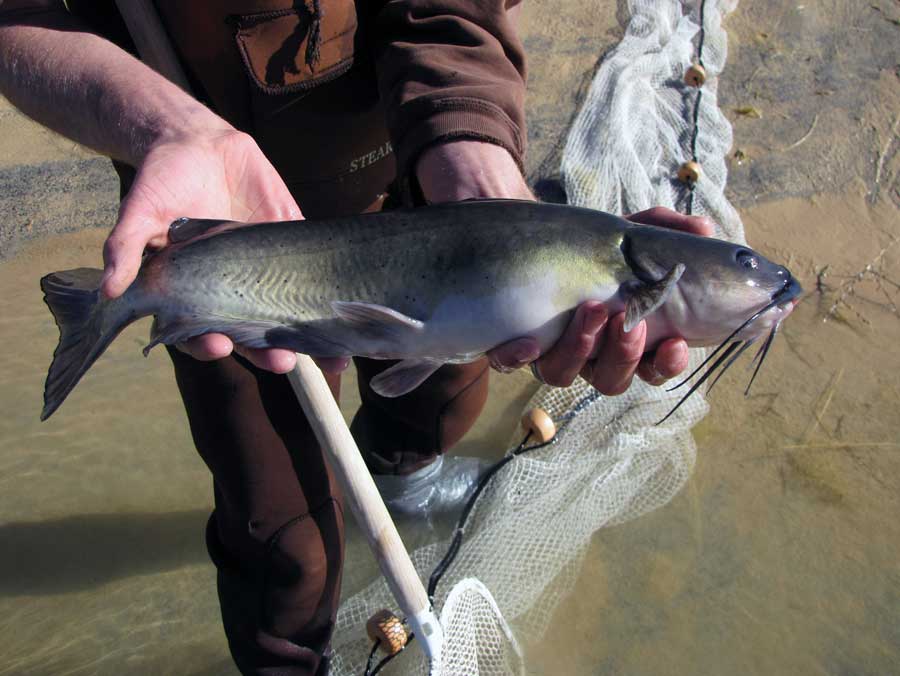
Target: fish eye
{"x":746,"y":259}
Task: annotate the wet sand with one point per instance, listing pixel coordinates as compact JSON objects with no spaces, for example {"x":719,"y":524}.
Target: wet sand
{"x":779,"y":557}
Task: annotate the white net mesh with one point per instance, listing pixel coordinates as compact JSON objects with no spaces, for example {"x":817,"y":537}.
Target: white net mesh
{"x":636,"y":125}
{"x":529,"y":530}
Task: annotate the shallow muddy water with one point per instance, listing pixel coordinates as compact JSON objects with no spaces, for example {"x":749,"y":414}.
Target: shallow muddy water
{"x":780,"y":556}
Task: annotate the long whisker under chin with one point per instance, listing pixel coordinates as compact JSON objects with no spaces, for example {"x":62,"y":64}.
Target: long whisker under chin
{"x":734,"y":349}
{"x":727,"y":365}
{"x":731,"y":348}
{"x":761,"y":356}
{"x":743,"y":326}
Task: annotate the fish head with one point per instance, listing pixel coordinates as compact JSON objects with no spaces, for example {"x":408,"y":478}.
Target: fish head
{"x":722,"y":287}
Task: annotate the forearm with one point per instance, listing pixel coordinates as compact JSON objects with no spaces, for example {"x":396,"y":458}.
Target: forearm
{"x":90,"y":90}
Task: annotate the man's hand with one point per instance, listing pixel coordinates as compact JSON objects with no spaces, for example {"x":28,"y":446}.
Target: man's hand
{"x":596,"y":346}
{"x":593,"y":345}
{"x":190,"y":161}
{"x":220,"y":174}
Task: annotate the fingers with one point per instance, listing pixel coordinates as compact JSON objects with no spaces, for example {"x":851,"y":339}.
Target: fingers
{"x":580,"y":341}
{"x":514,"y":354}
{"x":135,"y":230}
{"x":668,"y":360}
{"x":273,"y":359}
{"x":618,"y":357}
{"x":212,"y":346}
{"x":260,"y":194}
{"x":208,"y":347}
{"x":667,"y":218}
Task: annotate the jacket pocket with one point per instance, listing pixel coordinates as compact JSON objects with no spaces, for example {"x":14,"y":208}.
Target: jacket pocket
{"x":296,"y":49}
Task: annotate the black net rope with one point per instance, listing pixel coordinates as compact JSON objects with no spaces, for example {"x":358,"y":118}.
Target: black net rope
{"x":696,"y":116}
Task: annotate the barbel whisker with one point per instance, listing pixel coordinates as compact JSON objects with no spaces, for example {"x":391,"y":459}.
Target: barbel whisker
{"x":697,"y":370}
{"x":761,"y":355}
{"x":727,"y":365}
{"x":731,"y":348}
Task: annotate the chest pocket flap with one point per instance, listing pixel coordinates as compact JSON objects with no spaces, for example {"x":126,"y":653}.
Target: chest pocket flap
{"x":290,"y":50}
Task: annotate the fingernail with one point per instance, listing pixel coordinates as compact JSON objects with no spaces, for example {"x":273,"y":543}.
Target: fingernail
{"x":633,"y":336}
{"x":497,"y":366}
{"x":594,"y":319}
{"x":525,"y":354}
{"x":653,"y":376}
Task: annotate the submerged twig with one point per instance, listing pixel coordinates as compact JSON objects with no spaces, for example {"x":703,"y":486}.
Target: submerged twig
{"x":806,"y":135}
{"x":882,"y":154}
{"x":848,"y":287}
{"x":827,"y":395}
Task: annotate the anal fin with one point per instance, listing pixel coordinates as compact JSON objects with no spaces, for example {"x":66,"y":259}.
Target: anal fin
{"x":404,"y":377}
{"x":179,"y":329}
{"x":308,"y":338}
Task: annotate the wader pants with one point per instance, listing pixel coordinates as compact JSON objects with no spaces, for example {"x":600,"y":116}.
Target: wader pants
{"x":276,"y":535}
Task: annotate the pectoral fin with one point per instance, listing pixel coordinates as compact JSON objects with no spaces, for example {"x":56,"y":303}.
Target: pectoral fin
{"x":403,"y":377}
{"x":172,"y":330}
{"x":647,"y":298}
{"x":377,"y":322}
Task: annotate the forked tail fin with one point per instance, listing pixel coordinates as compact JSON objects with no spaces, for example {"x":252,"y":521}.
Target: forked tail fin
{"x":87,"y":325}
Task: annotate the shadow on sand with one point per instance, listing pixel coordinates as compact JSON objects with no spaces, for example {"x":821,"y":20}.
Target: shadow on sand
{"x":85,"y":551}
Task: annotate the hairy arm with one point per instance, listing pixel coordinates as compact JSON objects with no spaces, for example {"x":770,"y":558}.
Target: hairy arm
{"x":189,"y":161}
{"x":104,"y":98}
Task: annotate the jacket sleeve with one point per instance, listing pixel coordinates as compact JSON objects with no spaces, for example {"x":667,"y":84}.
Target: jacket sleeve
{"x":449,"y":69}
{"x":15,"y":11}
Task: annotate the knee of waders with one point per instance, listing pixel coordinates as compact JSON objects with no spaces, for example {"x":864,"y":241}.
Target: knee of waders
{"x":302,"y":572}
{"x":278,"y":605}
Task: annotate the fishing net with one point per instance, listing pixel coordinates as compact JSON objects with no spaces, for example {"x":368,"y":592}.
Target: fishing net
{"x":529,"y":528}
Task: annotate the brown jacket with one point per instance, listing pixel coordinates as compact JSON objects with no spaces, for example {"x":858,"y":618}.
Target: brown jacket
{"x":342,"y":96}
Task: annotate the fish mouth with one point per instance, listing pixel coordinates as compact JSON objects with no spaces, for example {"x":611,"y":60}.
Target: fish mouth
{"x":782,"y":303}
{"x":789,"y":293}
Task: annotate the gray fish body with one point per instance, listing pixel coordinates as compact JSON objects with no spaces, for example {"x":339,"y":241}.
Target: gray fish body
{"x":498,"y":272}
{"x":426,"y":286}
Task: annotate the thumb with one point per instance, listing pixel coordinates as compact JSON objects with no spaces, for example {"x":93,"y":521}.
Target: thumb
{"x":122,"y":252}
